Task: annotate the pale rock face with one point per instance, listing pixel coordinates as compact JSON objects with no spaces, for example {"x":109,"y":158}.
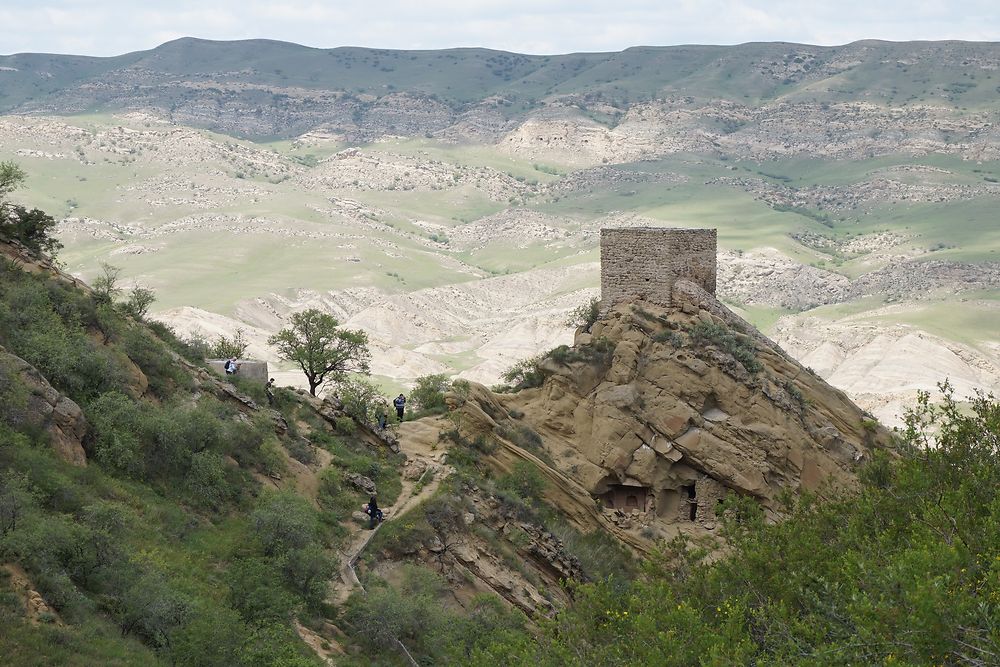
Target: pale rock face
{"x":45,"y":407}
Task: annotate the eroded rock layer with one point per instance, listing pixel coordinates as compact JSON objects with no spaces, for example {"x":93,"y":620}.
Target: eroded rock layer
{"x":657,"y":414}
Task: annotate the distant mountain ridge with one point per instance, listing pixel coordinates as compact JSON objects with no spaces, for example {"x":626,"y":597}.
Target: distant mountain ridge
{"x":291,"y":88}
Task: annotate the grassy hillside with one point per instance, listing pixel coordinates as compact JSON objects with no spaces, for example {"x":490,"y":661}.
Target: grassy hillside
{"x":203,"y":525}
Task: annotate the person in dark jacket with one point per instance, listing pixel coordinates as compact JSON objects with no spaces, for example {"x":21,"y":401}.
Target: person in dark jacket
{"x":374,"y":513}
{"x":400,"y":403}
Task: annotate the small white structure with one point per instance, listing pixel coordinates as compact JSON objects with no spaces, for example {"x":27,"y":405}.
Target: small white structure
{"x":246,"y":368}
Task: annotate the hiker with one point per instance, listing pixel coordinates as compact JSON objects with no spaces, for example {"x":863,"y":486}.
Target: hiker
{"x":374,"y":513}
{"x":231,"y":366}
{"x":381,"y":417}
{"x":400,"y":403}
{"x":269,"y":391}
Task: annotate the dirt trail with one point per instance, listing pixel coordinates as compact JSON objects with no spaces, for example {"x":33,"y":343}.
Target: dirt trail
{"x":418,"y":441}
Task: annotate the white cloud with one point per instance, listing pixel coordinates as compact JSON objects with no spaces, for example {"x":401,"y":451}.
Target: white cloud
{"x":111,"y":27}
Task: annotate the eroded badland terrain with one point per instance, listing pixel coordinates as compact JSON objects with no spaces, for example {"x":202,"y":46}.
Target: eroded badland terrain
{"x":449,"y":202}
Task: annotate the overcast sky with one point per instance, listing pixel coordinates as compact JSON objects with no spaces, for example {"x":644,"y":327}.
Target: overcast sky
{"x":111,"y":27}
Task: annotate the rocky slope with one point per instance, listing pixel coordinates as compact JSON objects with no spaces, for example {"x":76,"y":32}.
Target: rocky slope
{"x":645,"y":425}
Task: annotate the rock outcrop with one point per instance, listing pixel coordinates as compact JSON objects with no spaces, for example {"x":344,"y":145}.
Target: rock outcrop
{"x":657,"y":414}
{"x":44,"y":407}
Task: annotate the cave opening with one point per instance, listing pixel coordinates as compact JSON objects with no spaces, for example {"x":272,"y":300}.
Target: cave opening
{"x":627,"y":498}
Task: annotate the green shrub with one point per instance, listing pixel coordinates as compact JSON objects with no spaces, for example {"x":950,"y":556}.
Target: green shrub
{"x":466,"y":453}
{"x":740,"y":348}
{"x":307,"y":571}
{"x":116,"y":420}
{"x":585,"y":315}
{"x":206,"y":481}
{"x":524,"y":479}
{"x":284,"y":521}
{"x":405,"y":534}
{"x":194,"y":350}
{"x":362,"y":400}
{"x":152,"y":608}
{"x":794,"y":392}
{"x":153,"y":358}
{"x":428,"y":393}
{"x":225,"y":348}
{"x":301,"y":450}
{"x":669,"y":337}
{"x":599,"y":352}
{"x":13,"y":397}
{"x":43,"y":323}
{"x":252,"y":388}
{"x":525,"y":374}
{"x":521,"y":435}
{"x":345,"y":425}
{"x":255,"y":592}
{"x":271,"y":457}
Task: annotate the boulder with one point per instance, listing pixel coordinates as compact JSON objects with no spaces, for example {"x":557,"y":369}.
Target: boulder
{"x":44,"y":407}
{"x":362,"y":483}
{"x":414,"y":469}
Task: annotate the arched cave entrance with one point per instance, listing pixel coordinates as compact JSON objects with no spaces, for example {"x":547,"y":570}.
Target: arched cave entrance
{"x":627,"y":498}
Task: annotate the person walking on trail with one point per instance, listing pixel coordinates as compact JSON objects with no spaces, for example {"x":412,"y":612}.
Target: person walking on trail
{"x":374,"y":513}
{"x":269,"y":391}
{"x":381,"y":417}
{"x":400,"y":403}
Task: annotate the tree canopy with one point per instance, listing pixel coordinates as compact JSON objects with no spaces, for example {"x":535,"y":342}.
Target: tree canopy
{"x":322,"y":349}
{"x":31,"y":227}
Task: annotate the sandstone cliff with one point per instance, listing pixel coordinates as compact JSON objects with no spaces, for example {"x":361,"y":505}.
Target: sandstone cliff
{"x":656,"y":414}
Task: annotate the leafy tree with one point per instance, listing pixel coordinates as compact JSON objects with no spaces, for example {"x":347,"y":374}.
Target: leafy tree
{"x":11,"y":177}
{"x":138,"y":302}
{"x":32,"y":228}
{"x":105,"y":286}
{"x":225,"y":347}
{"x":362,"y":400}
{"x":321,"y":348}
{"x":428,"y":392}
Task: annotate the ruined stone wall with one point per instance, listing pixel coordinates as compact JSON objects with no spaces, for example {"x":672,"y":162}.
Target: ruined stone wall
{"x":646,"y":261}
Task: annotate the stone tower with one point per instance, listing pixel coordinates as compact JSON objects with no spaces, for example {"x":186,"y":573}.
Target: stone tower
{"x":646,"y":261}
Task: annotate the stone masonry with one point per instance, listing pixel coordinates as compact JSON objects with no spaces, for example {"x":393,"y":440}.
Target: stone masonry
{"x":646,"y":262}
